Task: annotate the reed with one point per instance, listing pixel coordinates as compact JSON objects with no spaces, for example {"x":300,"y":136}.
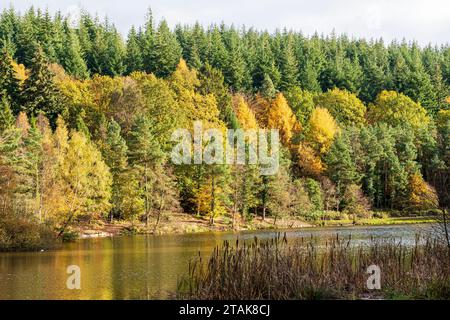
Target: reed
{"x":307,"y":269}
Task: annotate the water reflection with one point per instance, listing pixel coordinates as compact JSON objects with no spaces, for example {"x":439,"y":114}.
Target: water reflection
{"x":141,"y":267}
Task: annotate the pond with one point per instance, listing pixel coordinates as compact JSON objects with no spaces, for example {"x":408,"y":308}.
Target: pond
{"x":143,"y":267}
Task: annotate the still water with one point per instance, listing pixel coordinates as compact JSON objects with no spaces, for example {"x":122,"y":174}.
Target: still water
{"x":142,"y":267}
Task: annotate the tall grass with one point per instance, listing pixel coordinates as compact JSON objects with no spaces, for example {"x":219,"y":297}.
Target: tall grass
{"x":306,"y":269}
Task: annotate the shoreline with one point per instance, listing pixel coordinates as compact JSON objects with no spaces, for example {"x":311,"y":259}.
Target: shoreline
{"x":187,"y":224}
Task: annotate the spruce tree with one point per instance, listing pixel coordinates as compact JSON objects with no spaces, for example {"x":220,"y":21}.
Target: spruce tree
{"x":134,"y":57}
{"x":267,"y":88}
{"x":112,"y":58}
{"x":39,"y":92}
{"x":145,"y":155}
{"x":9,"y":85}
{"x":166,"y":51}
{"x":147,"y":38}
{"x":289,"y":67}
{"x":217,"y":52}
{"x":26,"y":43}
{"x":6,"y":116}
{"x":32,"y":168}
{"x":235,"y":70}
{"x":115,"y":156}
{"x":71,"y":56}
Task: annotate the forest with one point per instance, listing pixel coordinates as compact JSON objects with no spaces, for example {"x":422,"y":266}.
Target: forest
{"x":86,"y":117}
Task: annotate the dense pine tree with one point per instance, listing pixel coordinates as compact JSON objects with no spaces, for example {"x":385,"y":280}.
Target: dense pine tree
{"x":166,"y":51}
{"x":71,"y":56}
{"x":9,"y":84}
{"x":39,"y":93}
{"x":115,"y":154}
{"x":145,"y":156}
{"x":134,"y":60}
{"x":6,"y":115}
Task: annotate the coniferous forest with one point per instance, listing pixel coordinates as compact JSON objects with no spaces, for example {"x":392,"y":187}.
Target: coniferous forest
{"x":86,"y":117}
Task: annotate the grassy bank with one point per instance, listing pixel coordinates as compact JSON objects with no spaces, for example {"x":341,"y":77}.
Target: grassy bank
{"x":303,"y":269}
{"x":378,"y":221}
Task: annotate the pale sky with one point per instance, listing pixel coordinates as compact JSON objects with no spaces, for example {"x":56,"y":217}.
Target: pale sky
{"x":427,"y":21}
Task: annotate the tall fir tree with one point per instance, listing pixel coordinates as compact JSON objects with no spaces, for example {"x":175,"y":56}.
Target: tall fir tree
{"x":6,"y":115}
{"x":289,"y":66}
{"x":147,"y":39}
{"x":39,"y":92}
{"x":71,"y":56}
{"x":134,"y":60}
{"x":145,"y":155}
{"x":166,"y":51}
{"x":9,"y":84}
{"x":115,"y":154}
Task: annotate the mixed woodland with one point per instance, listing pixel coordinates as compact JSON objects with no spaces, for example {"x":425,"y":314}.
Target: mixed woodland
{"x":86,"y":117}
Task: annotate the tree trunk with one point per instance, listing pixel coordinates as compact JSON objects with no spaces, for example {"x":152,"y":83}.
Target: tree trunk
{"x":146,"y":196}
{"x":61,"y":232}
{"x":38,"y":196}
{"x":213,"y":201}
{"x":234,"y":215}
{"x":444,"y":221}
{"x":161,"y":205}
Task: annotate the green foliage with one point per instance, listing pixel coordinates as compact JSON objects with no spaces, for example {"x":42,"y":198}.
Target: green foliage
{"x":341,"y":166}
{"x":395,"y":109}
{"x":301,"y":202}
{"x":9,"y":84}
{"x":236,"y":68}
{"x":116,"y":157}
{"x":244,"y":57}
{"x":344,"y":106}
{"x":134,"y":59}
{"x":354,"y":202}
{"x":267,"y":88}
{"x":71,"y":56}
{"x":39,"y":93}
{"x":301,"y":102}
{"x":23,"y":234}
{"x":6,"y":116}
{"x":112,"y":156}
{"x":212,"y":82}
{"x":146,"y":158}
{"x":315,"y":193}
{"x":166,"y":51}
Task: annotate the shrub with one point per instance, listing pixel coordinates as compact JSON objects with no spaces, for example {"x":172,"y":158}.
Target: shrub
{"x":24,"y":234}
{"x":380,"y":215}
{"x":70,"y":236}
{"x":355,"y":203}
